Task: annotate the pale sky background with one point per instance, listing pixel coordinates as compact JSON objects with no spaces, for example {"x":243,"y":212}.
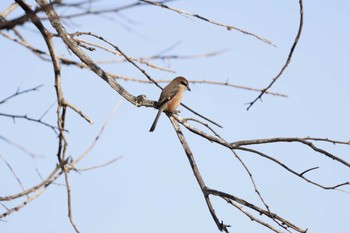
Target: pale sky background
{"x":152,"y":188}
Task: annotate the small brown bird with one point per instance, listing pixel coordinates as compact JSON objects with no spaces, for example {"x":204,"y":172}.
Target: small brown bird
{"x":171,"y":97}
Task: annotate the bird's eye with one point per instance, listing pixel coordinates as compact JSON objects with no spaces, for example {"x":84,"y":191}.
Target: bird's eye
{"x":184,"y":83}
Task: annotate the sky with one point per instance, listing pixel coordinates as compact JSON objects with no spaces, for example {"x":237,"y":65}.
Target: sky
{"x":151,"y":187}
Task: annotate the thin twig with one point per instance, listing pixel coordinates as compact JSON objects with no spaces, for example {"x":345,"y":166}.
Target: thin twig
{"x":240,"y":208}
{"x":256,"y":188}
{"x":67,"y":61}
{"x":204,"y":124}
{"x":228,"y":27}
{"x":16,"y":145}
{"x":254,"y":207}
{"x":13,"y":172}
{"x":49,"y":179}
{"x":288,"y":58}
{"x":237,"y":86}
{"x":99,"y":12}
{"x":77,"y":110}
{"x":140,"y":60}
{"x":308,"y":170}
{"x":292,"y":171}
{"x":69,"y":200}
{"x":98,"y":136}
{"x":18,"y":92}
{"x":99,"y":165}
{"x":305,"y":141}
{"x":47,"y":110}
{"x":25,"y":117}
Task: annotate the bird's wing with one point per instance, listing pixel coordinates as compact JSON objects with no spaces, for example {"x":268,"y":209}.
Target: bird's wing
{"x":164,"y":99}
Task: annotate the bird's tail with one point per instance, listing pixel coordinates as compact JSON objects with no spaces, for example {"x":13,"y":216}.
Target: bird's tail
{"x":155,"y":121}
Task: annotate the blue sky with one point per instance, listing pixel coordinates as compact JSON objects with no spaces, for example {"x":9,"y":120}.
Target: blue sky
{"x":151,"y":188}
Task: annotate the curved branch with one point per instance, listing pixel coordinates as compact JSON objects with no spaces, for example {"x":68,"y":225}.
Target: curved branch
{"x":228,"y":27}
{"x":301,"y":175}
{"x":296,"y":40}
{"x":305,"y":141}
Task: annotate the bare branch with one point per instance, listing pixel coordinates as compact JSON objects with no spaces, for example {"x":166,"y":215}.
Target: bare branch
{"x":254,"y":207}
{"x":239,"y":145}
{"x":69,"y":201}
{"x":204,"y":124}
{"x":45,"y":183}
{"x":250,"y":215}
{"x":308,"y":170}
{"x":200,"y":82}
{"x":237,"y":86}
{"x":142,"y":60}
{"x":221,"y":226}
{"x":288,"y":58}
{"x":304,"y":141}
{"x":13,"y":172}
{"x":256,"y":188}
{"x":77,"y":110}
{"x":18,"y":92}
{"x":57,"y":70}
{"x":20,"y":206}
{"x":228,"y":27}
{"x":99,"y":12}
{"x":100,"y":165}
{"x":73,"y":46}
{"x":292,"y":171}
{"x":207,"y":191}
{"x":8,"y":10}
{"x":77,"y":47}
{"x":25,"y":117}
{"x":107,"y":121}
{"x":16,"y":145}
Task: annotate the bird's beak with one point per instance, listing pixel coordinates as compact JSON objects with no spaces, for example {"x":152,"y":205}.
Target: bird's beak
{"x":188,"y":88}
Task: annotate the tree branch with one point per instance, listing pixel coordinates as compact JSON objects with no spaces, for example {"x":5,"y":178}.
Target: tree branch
{"x":228,"y":27}
{"x":296,"y":40}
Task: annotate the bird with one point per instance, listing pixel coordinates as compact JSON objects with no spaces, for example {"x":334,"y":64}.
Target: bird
{"x":171,"y":97}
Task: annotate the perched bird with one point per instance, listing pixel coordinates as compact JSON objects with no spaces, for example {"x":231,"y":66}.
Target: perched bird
{"x":171,"y":97}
